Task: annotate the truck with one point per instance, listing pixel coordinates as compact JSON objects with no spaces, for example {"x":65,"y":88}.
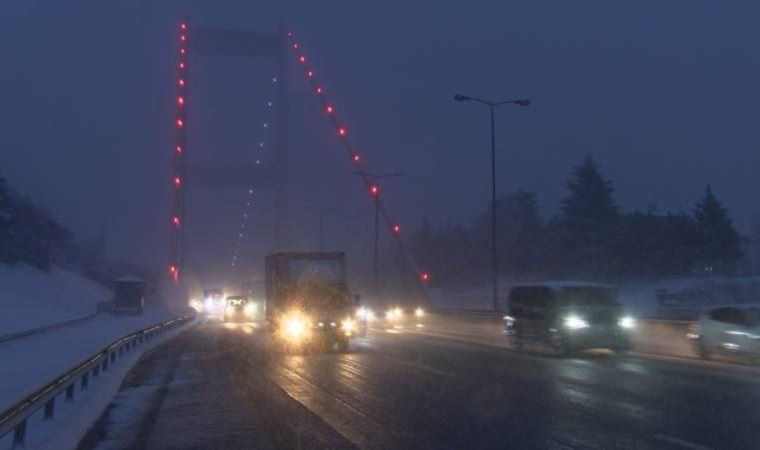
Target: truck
{"x":308,"y":301}
{"x":129,"y":296}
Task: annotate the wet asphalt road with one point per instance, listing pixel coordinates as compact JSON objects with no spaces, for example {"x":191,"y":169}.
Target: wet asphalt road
{"x":223,"y":386}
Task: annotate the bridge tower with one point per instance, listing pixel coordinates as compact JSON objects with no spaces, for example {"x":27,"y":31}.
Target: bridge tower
{"x":204,"y":41}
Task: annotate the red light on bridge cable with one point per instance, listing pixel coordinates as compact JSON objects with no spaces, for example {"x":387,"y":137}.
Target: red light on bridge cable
{"x":295,"y":45}
{"x":342,"y":131}
{"x":302,"y":59}
{"x":356,"y":158}
{"x":180,"y":123}
{"x":425,"y":277}
{"x":182,"y":51}
{"x":181,"y":82}
{"x":396,"y":228}
{"x":181,"y":101}
{"x":182,"y":38}
{"x":178,"y":149}
{"x":319,"y":90}
{"x":181,"y":65}
{"x":177,"y":181}
{"x":183,"y":26}
{"x":329,"y":109}
{"x":175,"y":220}
{"x":373,"y":189}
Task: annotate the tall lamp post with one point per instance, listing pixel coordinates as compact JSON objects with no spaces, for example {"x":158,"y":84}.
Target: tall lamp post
{"x":375,"y":190}
{"x":494,"y":257}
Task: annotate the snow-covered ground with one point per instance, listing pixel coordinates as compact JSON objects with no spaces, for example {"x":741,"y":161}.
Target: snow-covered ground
{"x":73,"y":419}
{"x":30,"y":298}
{"x":31,"y":362}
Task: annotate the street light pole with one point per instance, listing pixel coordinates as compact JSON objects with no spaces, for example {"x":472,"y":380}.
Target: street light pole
{"x":375,"y":189}
{"x":494,"y":234}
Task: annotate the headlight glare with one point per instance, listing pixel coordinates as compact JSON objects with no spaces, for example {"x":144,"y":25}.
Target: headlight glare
{"x":575,"y":323}
{"x":627,"y":322}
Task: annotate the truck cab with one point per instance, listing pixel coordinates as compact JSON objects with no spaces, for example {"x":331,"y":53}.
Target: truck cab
{"x":308,"y":301}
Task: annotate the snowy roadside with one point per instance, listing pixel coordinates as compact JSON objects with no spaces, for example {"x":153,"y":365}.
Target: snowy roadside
{"x":73,"y":419}
{"x":30,"y":298}
{"x":31,"y":362}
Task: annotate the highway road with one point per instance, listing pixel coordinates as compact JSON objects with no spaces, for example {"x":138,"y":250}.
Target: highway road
{"x":223,"y":386}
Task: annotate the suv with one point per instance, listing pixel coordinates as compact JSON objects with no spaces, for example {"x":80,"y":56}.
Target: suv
{"x":567,"y":316}
{"x":733,"y":329}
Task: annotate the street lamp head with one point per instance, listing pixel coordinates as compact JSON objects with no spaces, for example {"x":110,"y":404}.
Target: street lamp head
{"x":461,"y":98}
{"x":522,"y":102}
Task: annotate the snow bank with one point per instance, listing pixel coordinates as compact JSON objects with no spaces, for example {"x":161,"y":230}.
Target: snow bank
{"x":30,"y":298}
{"x":31,"y":362}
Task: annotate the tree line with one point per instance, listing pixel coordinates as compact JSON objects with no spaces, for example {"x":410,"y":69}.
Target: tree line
{"x":589,"y":238}
{"x":28,"y":233}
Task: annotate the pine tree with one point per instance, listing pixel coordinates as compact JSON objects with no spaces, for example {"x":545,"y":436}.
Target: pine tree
{"x":591,"y":195}
{"x":587,"y":223}
{"x":719,"y":243}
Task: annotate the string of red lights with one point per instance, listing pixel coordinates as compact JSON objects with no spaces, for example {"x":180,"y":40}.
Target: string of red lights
{"x":354,"y":155}
{"x":177,"y":218}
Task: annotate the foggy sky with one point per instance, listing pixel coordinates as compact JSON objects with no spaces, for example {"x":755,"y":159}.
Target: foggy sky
{"x":664,"y":94}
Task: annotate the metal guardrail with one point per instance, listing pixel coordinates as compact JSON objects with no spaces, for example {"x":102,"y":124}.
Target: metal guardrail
{"x":42,"y":329}
{"x":15,"y":418}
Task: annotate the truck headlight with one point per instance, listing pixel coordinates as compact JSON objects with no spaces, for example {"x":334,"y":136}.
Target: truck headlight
{"x":575,"y":323}
{"x":419,"y":312}
{"x":347,"y":325}
{"x":627,"y":322}
{"x":295,"y":327}
{"x":250,"y":309}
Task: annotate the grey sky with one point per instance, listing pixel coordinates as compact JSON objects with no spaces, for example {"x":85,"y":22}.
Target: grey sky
{"x":663,"y":93}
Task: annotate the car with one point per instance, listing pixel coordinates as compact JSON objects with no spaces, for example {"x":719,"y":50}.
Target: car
{"x":728,"y":329}
{"x":567,"y":317}
{"x":239,"y":309}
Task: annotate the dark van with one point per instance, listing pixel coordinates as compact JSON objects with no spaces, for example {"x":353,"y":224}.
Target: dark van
{"x":567,"y":317}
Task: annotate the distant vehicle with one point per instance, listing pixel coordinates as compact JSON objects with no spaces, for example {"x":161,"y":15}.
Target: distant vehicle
{"x":568,"y":317}
{"x":728,"y":329}
{"x":239,"y":309}
{"x":308,"y":300}
{"x":213,"y":301}
{"x":129,"y":296}
{"x":398,"y":314}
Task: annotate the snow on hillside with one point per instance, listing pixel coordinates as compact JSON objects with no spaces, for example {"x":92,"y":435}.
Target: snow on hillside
{"x":31,"y":298}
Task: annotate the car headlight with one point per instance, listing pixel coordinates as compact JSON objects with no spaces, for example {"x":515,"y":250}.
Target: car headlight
{"x":419,"y":312}
{"x":365,"y":313}
{"x":393,"y":314}
{"x":347,"y":325}
{"x":208,"y":303}
{"x":575,"y":323}
{"x":250,"y":309}
{"x":627,"y":322}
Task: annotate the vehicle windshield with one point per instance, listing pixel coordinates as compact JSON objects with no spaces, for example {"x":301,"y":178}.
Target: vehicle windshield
{"x":586,"y":297}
